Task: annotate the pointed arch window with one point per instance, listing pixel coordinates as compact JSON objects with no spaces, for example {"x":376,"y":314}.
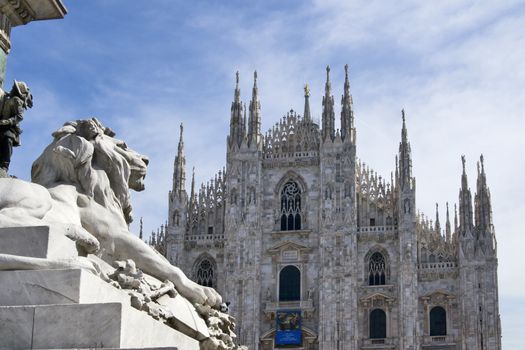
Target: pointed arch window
{"x":205,"y":273}
{"x":376,"y":270}
{"x":377,"y":324}
{"x":290,"y":284}
{"x":291,"y":207}
{"x":438,"y":321}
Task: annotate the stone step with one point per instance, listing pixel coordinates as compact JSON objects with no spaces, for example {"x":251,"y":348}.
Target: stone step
{"x":75,"y":286}
{"x":37,"y":242}
{"x":42,"y":287}
{"x":86,"y":326}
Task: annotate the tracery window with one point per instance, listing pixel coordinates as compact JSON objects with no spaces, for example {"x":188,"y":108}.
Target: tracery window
{"x":290,"y":207}
{"x":438,"y":321}
{"x":376,"y":270}
{"x":205,"y":273}
{"x":290,"y":284}
{"x":377,"y":324}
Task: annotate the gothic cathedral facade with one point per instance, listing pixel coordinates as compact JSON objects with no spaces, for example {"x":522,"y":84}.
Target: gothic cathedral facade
{"x":296,"y":227}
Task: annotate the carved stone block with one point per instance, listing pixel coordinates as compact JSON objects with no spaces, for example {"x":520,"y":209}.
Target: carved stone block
{"x":37,"y":242}
{"x":40,"y":287}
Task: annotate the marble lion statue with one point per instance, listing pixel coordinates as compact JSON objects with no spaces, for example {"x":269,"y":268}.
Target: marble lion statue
{"x":81,"y":182}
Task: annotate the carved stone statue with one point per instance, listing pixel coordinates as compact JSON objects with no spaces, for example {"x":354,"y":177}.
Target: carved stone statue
{"x":81,"y":182}
{"x":311,"y":292}
{"x":12,"y":107}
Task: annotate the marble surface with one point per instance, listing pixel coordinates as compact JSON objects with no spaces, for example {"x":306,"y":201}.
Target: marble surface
{"x":37,"y":242}
{"x":44,"y":287}
{"x":105,"y":325}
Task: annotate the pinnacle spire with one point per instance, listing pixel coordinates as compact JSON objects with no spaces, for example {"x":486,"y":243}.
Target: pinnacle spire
{"x":347,"y":112}
{"x":328,"y":85}
{"x":254,"y":122}
{"x":141,"y":229}
{"x":347,"y":84}
{"x":456,"y":226}
{"x":464,"y":180}
{"x":179,"y":167}
{"x":307,"y":115}
{"x":243,"y":127}
{"x":438,"y":225}
{"x":237,"y":94}
{"x":404,"y":132}
{"x":405,"y":156}
{"x":483,"y":206}
{"x":465,"y":202}
{"x":328,"y":130}
{"x":237,"y":127}
{"x":192,"y":195}
{"x":447,"y":226}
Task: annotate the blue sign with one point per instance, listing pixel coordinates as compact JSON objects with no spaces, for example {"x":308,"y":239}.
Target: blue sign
{"x":288,"y":328}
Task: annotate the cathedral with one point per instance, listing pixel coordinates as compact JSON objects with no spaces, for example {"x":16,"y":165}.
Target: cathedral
{"x":316,"y":251}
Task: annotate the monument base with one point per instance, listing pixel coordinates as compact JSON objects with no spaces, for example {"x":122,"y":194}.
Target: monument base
{"x":74,"y":309}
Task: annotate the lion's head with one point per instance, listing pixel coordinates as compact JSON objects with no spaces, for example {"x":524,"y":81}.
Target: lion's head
{"x":86,"y":154}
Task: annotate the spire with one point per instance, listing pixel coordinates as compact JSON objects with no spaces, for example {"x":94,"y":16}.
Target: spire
{"x":465,"y":203}
{"x":192,"y":195}
{"x":243,"y":127}
{"x":456,"y":226}
{"x":328,"y":85}
{"x":179,"y":168}
{"x":464,"y":182}
{"x":438,"y":225}
{"x":404,"y":128}
{"x":447,"y":226}
{"x":328,"y":109}
{"x":237,"y":93}
{"x":307,"y":115}
{"x":236,"y":119}
{"x":141,"y":229}
{"x":405,"y":157}
{"x":254,"y":123}
{"x":482,"y":200}
{"x":347,"y":112}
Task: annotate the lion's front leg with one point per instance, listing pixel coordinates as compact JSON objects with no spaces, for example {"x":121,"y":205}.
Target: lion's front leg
{"x":86,"y":242}
{"x":128,"y":246}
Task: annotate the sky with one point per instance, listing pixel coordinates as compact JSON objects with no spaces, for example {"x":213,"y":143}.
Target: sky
{"x":143,"y":67}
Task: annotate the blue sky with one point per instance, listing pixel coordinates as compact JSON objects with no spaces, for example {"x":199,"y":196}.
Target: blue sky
{"x":143,"y":67}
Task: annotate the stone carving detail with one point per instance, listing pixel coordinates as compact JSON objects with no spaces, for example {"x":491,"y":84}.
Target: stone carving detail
{"x":221,"y":327}
{"x":143,"y":293}
{"x":292,"y":134}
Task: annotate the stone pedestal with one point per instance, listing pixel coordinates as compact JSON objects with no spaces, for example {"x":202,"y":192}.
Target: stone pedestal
{"x":84,"y":326}
{"x":45,"y":242}
{"x":74,"y":309}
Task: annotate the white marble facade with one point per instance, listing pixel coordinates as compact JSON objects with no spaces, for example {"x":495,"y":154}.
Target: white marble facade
{"x":295,"y":221}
